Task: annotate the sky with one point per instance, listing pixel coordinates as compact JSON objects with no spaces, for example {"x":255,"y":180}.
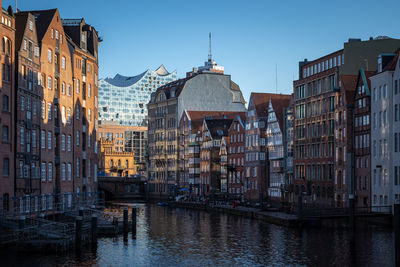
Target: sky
{"x":258,"y":42}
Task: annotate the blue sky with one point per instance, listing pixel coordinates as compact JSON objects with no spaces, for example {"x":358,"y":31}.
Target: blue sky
{"x":249,"y":37}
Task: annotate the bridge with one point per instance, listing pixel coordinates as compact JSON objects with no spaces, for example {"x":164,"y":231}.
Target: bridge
{"x":122,"y":187}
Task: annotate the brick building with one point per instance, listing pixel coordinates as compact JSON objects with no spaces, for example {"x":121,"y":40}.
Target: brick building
{"x":29,"y":95}
{"x":235,"y":142}
{"x":317,"y":93}
{"x":213,"y":130}
{"x":83,"y":41}
{"x":256,"y":182}
{"x":190,"y":138}
{"x":7,"y":94}
{"x":343,"y":141}
{"x":362,"y":139}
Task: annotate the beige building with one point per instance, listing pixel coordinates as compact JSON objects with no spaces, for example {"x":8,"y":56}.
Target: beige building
{"x":125,"y":144}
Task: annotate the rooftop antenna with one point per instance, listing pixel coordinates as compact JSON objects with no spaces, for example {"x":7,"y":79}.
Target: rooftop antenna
{"x":209,"y":52}
{"x":276,"y":77}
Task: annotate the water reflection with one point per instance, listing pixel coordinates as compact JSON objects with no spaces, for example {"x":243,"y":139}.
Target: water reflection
{"x":178,"y":237}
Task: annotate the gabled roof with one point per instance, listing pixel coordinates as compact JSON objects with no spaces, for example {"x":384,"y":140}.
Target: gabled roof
{"x":349,"y":84}
{"x":197,"y":117}
{"x":261,"y":102}
{"x":20,"y":26}
{"x":43,"y":19}
{"x":392,"y":64}
{"x":218,"y":127}
{"x":175,"y":85}
{"x":364,"y":77}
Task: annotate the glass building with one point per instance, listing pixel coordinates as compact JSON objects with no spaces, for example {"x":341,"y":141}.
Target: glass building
{"x":124,"y":99}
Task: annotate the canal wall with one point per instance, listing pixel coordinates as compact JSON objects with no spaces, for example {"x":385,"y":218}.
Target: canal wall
{"x":278,"y":218}
{"x":285,"y":219}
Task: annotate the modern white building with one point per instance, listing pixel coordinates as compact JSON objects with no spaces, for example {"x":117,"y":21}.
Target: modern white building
{"x":385,"y":132}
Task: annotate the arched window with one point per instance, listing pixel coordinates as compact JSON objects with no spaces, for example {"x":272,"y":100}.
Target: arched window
{"x":3,"y":45}
{"x":127,"y":164}
{"x":8,"y":47}
{"x":111,"y":163}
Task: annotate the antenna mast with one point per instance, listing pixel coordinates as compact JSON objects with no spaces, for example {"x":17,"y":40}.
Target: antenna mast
{"x":276,"y":77}
{"x":209,"y":52}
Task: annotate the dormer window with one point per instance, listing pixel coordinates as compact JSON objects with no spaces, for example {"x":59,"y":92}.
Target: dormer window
{"x":379,"y":64}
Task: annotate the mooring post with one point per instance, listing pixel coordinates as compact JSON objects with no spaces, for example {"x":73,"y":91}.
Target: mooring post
{"x":81,"y":212}
{"x":126,"y":224}
{"x":94,"y":228}
{"x":396,"y":226}
{"x":300,"y":208}
{"x":78,"y":232}
{"x":21,"y":222}
{"x":351,"y":212}
{"x":133,"y":221}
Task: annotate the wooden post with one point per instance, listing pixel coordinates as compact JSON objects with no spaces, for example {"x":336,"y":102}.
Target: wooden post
{"x":134,"y":221}
{"x":81,"y":212}
{"x":126,"y":224}
{"x":78,"y":232}
{"x":94,"y":228}
{"x":396,"y":226}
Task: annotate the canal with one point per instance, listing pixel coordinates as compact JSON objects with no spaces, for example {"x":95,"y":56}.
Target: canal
{"x":179,"y":237}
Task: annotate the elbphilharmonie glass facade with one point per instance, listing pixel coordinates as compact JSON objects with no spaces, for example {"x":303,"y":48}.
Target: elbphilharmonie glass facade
{"x":124,"y":99}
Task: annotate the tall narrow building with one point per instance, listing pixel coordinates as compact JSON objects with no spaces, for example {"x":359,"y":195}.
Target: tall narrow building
{"x":7,"y":94}
{"x":83,"y":42}
{"x":29,"y":96}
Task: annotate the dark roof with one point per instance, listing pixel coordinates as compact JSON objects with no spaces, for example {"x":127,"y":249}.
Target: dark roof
{"x":261,"y":102}
{"x":349,"y":84}
{"x":218,"y":127}
{"x":197,"y":117}
{"x":20,"y":26}
{"x":43,"y":19}
{"x":392,"y":64}
{"x":175,"y":85}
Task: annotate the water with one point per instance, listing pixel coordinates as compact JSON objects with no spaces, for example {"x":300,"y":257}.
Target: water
{"x":178,"y":237}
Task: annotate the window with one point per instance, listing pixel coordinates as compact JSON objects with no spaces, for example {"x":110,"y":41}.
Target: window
{"x":49,"y":55}
{"x":49,"y":83}
{"x":63,"y":172}
{"x":63,"y":142}
{"x":63,"y":88}
{"x":34,"y":138}
{"x":69,"y":143}
{"x":90,"y":115}
{"x":69,"y":116}
{"x":77,"y":167}
{"x":50,"y":170}
{"x":4,"y":134}
{"x":6,"y":167}
{"x":31,"y":25}
{"x":49,"y":111}
{"x":21,"y":135}
{"x":89,"y":90}
{"x":43,"y":171}
{"x":63,"y":63}
{"x":36,"y":51}
{"x":77,"y":138}
{"x":77,"y":86}
{"x":49,"y":136}
{"x":77,"y":111}
{"x":69,"y":172}
{"x":69,"y":90}
{"x":5,"y":103}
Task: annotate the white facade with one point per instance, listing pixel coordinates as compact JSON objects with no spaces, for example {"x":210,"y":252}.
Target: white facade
{"x":385,"y":102}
